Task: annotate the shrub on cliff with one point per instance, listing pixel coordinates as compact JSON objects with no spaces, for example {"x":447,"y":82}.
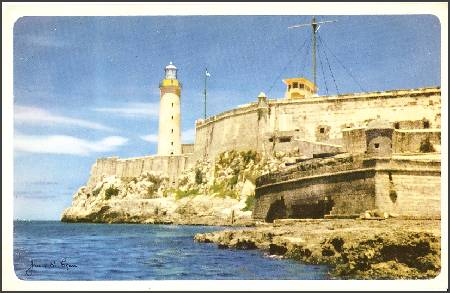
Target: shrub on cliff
{"x":111,"y":191}
{"x":96,"y":191}
{"x":198,"y":176}
{"x":249,"y":203}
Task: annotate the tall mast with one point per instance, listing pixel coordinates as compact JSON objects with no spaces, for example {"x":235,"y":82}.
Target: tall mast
{"x":315,"y":25}
{"x":314,"y":69}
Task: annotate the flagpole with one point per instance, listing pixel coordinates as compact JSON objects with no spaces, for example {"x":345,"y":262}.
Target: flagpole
{"x":206,"y":76}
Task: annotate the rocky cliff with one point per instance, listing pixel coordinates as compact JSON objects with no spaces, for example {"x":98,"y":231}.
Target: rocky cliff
{"x":209,"y":193}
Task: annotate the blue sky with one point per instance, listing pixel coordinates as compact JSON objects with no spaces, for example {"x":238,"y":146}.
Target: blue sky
{"x":87,"y":87}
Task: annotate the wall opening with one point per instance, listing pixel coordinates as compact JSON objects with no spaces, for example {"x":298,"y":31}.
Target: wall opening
{"x":285,"y":139}
{"x":322,"y":130}
{"x":397,"y":125}
{"x":426,"y":124}
{"x":271,"y":139}
{"x":316,"y":210}
{"x":377,"y":145}
{"x":277,"y":210}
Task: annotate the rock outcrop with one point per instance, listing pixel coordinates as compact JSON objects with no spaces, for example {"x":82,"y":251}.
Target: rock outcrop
{"x":209,"y":193}
{"x":356,"y":249}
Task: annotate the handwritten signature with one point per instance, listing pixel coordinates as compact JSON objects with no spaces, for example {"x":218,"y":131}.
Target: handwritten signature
{"x":62,"y":264}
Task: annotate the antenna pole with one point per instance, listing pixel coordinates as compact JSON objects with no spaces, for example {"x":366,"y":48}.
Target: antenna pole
{"x":314,"y":27}
{"x":206,"y":77}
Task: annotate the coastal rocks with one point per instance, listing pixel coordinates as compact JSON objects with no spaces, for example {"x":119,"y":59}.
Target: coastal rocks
{"x":391,"y":249}
{"x":209,"y":193}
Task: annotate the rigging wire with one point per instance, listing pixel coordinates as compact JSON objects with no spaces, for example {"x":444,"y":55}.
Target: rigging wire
{"x":305,"y":58}
{"x":284,"y":68}
{"x":342,"y":64}
{"x":329,"y":67}
{"x":321,"y":66}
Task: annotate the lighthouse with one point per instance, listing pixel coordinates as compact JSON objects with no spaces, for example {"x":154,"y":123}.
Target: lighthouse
{"x":169,"y":139}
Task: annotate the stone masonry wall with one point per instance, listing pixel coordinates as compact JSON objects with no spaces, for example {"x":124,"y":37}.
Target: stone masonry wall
{"x":349,"y":186}
{"x":314,"y":119}
{"x":169,"y":166}
{"x":409,"y":187}
{"x":409,"y":141}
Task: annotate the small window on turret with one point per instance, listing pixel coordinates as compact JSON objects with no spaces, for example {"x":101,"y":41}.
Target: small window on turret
{"x":301,"y":86}
{"x":295,"y":85}
{"x":289,"y":87}
{"x":322,"y":130}
{"x":172,"y":130}
{"x":172,"y":105}
{"x":171,"y":142}
{"x":172,"y":117}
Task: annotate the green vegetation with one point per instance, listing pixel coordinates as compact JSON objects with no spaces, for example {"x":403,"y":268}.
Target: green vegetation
{"x":96,"y":191}
{"x":154,"y":179}
{"x":179,"y":194}
{"x":250,"y":156}
{"x":249,"y":203}
{"x":233,"y":181}
{"x":111,"y":191}
{"x":222,"y":189}
{"x":198,"y":176}
{"x":150,"y":191}
{"x":183,"y":181}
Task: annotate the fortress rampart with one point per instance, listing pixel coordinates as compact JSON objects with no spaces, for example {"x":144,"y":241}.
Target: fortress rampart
{"x":349,"y":185}
{"x":167,"y":166}
{"x":310,"y":125}
{"x":319,"y":119}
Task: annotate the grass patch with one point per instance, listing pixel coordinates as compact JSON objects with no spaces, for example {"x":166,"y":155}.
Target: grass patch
{"x":179,"y":194}
{"x":221,"y":189}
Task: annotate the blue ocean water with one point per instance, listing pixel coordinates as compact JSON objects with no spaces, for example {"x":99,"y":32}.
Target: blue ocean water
{"x":51,"y":250}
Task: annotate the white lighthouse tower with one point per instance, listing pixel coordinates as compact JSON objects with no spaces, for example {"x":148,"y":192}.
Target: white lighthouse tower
{"x":169,"y":139}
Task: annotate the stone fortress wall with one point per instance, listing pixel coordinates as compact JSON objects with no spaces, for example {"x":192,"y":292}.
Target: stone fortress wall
{"x":327,"y":124}
{"x":317,"y":119}
{"x":169,"y":166}
{"x":348,"y":185}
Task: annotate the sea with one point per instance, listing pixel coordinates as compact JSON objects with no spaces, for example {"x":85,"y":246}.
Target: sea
{"x":52,"y":250}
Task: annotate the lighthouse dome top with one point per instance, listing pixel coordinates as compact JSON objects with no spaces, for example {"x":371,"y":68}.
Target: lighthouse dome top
{"x":171,"y":66}
{"x":171,"y":71}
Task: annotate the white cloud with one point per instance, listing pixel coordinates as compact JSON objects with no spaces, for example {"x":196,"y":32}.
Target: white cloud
{"x":63,"y":144}
{"x":133,"y":110}
{"x":150,"y":138}
{"x":39,"y":116}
